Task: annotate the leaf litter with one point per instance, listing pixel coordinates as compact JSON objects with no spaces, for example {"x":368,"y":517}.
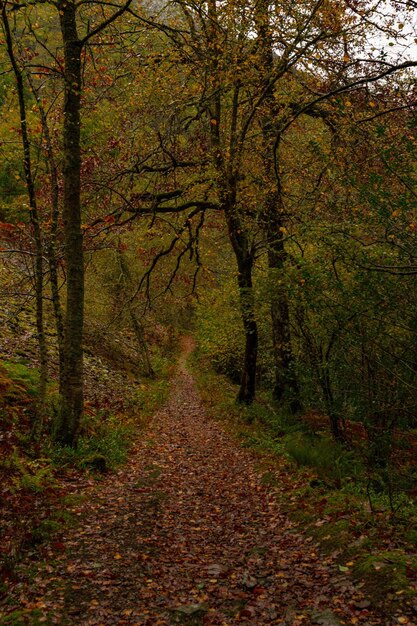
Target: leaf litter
{"x":186,"y":533}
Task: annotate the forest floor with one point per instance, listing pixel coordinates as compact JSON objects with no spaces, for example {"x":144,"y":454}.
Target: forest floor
{"x":185,"y":533}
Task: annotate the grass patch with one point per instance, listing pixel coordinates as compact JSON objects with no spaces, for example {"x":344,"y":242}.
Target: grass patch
{"x":330,"y":460}
{"x":34,"y":617}
{"x":103,"y":445}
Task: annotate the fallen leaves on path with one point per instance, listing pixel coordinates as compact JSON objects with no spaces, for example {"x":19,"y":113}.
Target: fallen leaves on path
{"x":187,"y":534}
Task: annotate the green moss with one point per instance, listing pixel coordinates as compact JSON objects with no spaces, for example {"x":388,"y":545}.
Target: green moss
{"x":332,"y":535}
{"x":28,"y":377}
{"x":46,"y":529}
{"x":411,"y":536}
{"x":24,"y":617}
{"x":385,"y":572}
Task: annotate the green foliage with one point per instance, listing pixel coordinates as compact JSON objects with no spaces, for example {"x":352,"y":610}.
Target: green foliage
{"x":34,"y":617}
{"x":103,"y":445}
{"x":25,"y":377}
{"x":220,"y":331}
{"x":34,"y":475}
{"x":220,"y":335}
{"x":411,"y":536}
{"x":12,"y":193}
{"x":329,"y":459}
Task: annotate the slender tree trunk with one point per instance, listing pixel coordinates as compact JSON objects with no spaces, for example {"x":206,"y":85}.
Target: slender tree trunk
{"x":72,"y":379}
{"x":50,"y":241}
{"x":227,"y":187}
{"x":244,"y":259}
{"x":326,"y":385}
{"x":143,"y":348}
{"x":285,"y":384}
{"x":36,"y":228}
{"x":272,"y":217}
{"x":135,"y":321}
{"x":248,"y":383}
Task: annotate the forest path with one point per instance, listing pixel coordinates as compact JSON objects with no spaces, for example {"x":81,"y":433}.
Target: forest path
{"x":187,"y":534}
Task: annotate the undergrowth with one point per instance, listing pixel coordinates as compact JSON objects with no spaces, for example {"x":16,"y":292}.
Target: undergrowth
{"x":35,"y":503}
{"x":103,"y":446}
{"x":326,"y":490}
{"x":105,"y":436}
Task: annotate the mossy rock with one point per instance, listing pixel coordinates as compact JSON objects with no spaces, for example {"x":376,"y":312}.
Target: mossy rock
{"x":96,"y":462}
{"x":190,"y":614}
{"x":385,"y":573}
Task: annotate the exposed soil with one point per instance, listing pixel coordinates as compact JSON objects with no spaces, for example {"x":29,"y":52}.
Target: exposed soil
{"x":187,"y":534}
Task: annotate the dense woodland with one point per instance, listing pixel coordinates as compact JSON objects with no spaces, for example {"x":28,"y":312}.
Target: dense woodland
{"x":244,"y":172}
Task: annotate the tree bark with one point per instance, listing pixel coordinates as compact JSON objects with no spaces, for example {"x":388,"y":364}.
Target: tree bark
{"x":36,"y":229}
{"x":72,"y":379}
{"x":245,"y":260}
{"x":135,"y":321}
{"x":225,"y":164}
{"x":50,"y":241}
{"x":273,"y":218}
{"x":285,"y":384}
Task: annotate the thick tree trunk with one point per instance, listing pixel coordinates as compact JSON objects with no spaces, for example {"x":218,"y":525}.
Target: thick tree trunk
{"x":72,"y":379}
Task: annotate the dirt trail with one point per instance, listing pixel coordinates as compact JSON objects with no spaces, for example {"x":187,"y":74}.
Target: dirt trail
{"x":187,"y":534}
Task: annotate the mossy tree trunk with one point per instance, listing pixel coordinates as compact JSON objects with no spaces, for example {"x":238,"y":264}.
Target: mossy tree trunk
{"x":72,"y":376}
{"x":35,"y":226}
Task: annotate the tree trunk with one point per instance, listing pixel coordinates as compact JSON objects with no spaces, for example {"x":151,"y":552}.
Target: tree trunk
{"x":143,"y":348}
{"x":135,"y":321}
{"x":72,"y":379}
{"x":272,"y":218}
{"x":248,"y":382}
{"x":50,"y":241}
{"x":244,"y":259}
{"x":225,"y":165}
{"x":285,"y":384}
{"x":36,"y":230}
{"x":326,"y":385}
